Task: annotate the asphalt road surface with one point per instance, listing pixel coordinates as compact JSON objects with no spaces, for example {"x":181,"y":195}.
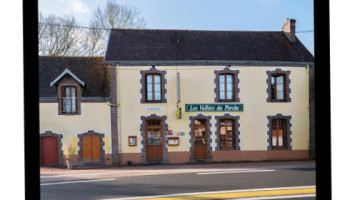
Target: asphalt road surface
{"x":152,"y":185}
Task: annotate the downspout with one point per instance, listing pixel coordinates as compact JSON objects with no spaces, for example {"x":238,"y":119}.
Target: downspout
{"x":308,"y":109}
{"x":119,"y":116}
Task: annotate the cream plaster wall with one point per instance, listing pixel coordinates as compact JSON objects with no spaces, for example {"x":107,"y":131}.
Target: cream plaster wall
{"x":197,"y":86}
{"x":94,"y":116}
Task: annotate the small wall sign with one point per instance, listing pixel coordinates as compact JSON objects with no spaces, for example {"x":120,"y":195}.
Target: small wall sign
{"x":150,"y":109}
{"x":132,"y":140}
{"x":173,"y":141}
{"x":213,"y":107}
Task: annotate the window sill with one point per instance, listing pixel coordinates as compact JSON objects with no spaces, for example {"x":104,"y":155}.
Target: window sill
{"x":279,"y":101}
{"x":69,"y":114}
{"x":279,"y":148}
{"x":227,"y":101}
{"x":154,"y":102}
{"x":230,"y":149}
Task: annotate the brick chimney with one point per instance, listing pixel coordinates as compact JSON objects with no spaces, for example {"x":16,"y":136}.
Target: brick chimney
{"x":289,"y":29}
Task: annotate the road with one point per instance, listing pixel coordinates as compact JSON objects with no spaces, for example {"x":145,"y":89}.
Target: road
{"x":233,"y":182}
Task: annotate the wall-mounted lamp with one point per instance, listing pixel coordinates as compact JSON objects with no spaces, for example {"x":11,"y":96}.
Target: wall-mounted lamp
{"x":228,"y":66}
{"x":153,"y":66}
{"x":141,"y":127}
{"x":167,"y":127}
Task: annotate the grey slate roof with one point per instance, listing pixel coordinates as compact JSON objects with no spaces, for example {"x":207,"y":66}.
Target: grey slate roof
{"x":186,"y":45}
{"x":90,"y":70}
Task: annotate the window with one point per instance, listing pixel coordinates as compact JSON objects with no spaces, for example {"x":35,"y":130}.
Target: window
{"x":226,"y":89}
{"x":69,"y":100}
{"x":153,"y":86}
{"x":69,"y":88}
{"x":226,"y":82}
{"x":279,"y":132}
{"x":227,"y":132}
{"x":278,"y":86}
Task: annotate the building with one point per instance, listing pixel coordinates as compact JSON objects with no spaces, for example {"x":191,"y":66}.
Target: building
{"x":75,"y":109}
{"x":180,"y":96}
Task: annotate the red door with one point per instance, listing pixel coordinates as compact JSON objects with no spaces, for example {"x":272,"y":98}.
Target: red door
{"x":49,"y":150}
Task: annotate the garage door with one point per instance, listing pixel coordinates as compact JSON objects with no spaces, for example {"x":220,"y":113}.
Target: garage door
{"x":49,"y":150}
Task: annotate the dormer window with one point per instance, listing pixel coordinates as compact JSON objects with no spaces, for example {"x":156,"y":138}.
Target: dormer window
{"x":69,"y":100}
{"x":69,"y":89}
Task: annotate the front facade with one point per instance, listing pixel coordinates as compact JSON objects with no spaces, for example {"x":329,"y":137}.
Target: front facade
{"x":252,"y":124}
{"x":195,"y":96}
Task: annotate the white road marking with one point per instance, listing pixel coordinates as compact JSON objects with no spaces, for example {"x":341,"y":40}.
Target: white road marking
{"x":73,"y":175}
{"x":86,"y":181}
{"x":279,"y":197}
{"x":214,"y":192}
{"x":234,"y":172}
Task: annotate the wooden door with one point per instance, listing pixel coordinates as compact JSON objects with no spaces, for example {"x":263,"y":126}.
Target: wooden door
{"x":49,"y":150}
{"x":200,"y":139}
{"x":91,"y":149}
{"x":154,"y":140}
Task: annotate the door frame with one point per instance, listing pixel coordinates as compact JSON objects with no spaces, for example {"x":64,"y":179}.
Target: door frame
{"x":80,"y":144}
{"x":208,"y":136}
{"x":143,"y":136}
{"x":60,"y":152}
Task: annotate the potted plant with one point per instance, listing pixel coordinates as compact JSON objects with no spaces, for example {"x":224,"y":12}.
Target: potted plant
{"x":69,"y":151}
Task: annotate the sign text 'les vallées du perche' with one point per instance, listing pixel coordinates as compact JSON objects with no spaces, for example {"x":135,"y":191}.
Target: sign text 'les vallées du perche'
{"x":213,"y":107}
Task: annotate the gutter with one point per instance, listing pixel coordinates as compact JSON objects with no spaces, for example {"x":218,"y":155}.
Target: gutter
{"x":204,"y":62}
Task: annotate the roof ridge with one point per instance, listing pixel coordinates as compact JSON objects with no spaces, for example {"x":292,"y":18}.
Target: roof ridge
{"x":72,"y":56}
{"x":193,"y":30}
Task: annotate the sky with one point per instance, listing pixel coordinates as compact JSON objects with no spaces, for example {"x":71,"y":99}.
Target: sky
{"x":238,"y":15}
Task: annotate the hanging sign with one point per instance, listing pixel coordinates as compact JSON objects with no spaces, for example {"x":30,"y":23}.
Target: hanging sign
{"x":213,"y":107}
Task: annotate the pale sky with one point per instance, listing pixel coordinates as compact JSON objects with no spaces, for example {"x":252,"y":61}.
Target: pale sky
{"x":244,"y":15}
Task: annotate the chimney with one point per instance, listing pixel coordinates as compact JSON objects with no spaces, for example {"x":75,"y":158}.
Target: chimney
{"x":289,"y":29}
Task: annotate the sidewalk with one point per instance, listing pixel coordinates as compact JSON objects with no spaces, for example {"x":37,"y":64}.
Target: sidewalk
{"x":143,"y":170}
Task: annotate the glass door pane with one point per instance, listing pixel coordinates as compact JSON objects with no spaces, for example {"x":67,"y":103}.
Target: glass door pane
{"x":154,"y":137}
{"x":200,"y":132}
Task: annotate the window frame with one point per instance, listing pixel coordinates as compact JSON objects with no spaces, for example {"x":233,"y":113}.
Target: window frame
{"x":286,"y":85}
{"x":236,"y":132}
{"x":144,"y":85}
{"x":68,"y":81}
{"x":71,"y":101}
{"x":153,"y":88}
{"x":235,"y":85}
{"x":286,"y":132}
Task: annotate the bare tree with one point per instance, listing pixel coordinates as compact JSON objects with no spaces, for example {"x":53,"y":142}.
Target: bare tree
{"x":63,"y":36}
{"x":57,"y":36}
{"x":113,"y":15}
